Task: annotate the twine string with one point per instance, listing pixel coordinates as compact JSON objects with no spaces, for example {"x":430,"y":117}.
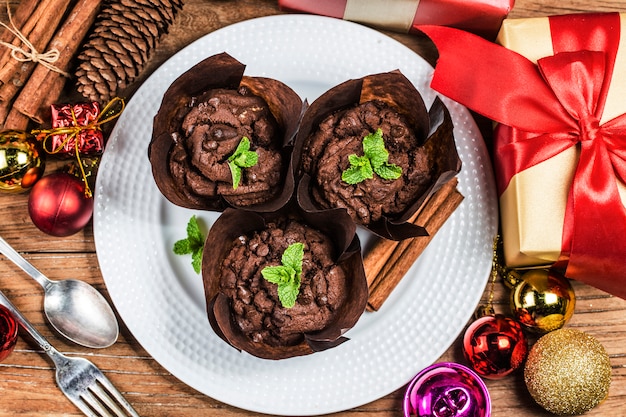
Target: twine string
{"x":29,"y":53}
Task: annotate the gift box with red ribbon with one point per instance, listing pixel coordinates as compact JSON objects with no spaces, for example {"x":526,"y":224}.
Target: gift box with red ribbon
{"x":86,"y":141}
{"x":556,"y":89}
{"x":482,"y":17}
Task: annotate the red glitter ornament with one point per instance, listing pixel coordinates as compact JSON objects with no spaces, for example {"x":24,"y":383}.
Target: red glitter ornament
{"x":495,"y":346}
{"x":8,"y":332}
{"x":58,"y":204}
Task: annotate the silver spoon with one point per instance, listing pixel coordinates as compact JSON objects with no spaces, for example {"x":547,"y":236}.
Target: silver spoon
{"x":73,"y":307}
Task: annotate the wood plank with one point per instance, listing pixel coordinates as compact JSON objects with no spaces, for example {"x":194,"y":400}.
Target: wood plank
{"x":27,"y":378}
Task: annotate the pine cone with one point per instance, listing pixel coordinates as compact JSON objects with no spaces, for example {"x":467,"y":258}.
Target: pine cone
{"x":120,"y":44}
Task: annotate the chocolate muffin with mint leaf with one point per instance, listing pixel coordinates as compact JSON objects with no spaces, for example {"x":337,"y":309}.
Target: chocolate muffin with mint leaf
{"x":282,"y":284}
{"x":371,"y":147}
{"x":222,"y":139}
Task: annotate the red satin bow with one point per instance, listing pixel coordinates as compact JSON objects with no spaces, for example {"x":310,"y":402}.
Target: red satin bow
{"x":543,"y":110}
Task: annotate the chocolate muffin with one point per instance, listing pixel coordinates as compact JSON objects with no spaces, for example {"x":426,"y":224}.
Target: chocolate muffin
{"x":371,"y":147}
{"x":327,"y":152}
{"x":223,"y":139}
{"x":258,"y":314}
{"x":212,"y":130}
{"x":257,"y":308}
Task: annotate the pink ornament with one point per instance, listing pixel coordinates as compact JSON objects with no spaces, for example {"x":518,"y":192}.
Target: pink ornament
{"x":8,"y":332}
{"x":495,"y":346}
{"x":447,"y":389}
{"x":58,"y":205}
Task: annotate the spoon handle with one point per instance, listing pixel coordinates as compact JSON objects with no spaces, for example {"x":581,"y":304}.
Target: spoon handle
{"x":26,"y":266}
{"x":32,"y":331}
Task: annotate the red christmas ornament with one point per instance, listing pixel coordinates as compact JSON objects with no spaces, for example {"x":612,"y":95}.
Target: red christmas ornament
{"x":58,"y":204}
{"x":8,"y":332}
{"x":495,"y":346}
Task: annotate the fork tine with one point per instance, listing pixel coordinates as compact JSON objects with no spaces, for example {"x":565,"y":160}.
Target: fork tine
{"x":82,"y":405}
{"x":105,"y":398}
{"x":92,"y":401}
{"x":115,"y":398}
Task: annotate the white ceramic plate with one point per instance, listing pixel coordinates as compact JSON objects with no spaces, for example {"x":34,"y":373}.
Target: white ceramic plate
{"x":161,"y":299}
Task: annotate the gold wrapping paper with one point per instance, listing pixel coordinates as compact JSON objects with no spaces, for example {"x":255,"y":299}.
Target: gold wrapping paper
{"x":398,"y":16}
{"x":532,"y":208}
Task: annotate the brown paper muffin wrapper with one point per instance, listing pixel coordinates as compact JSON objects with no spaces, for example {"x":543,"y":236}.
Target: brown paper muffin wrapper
{"x":220,"y":71}
{"x":233,"y":223}
{"x":433,"y":130}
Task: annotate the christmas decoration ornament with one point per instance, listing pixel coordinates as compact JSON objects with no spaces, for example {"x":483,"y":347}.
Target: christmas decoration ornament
{"x":568,"y":372}
{"x":122,"y":40}
{"x":21,"y":161}
{"x":541,"y":300}
{"x":58,"y":204}
{"x":77,"y":130}
{"x":8,"y":332}
{"x":447,"y":389}
{"x":85,"y":168}
{"x":34,"y":66}
{"x":495,"y":346}
{"x":65,"y":118}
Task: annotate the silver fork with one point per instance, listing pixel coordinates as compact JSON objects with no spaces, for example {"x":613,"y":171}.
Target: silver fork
{"x":79,"y":379}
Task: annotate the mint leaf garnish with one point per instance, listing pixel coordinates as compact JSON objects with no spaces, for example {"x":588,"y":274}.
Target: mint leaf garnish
{"x":243,"y":157}
{"x":360,"y":169}
{"x":388,"y":171}
{"x":193,"y":244}
{"x":288,"y":275}
{"x":374,"y":148}
{"x":288,"y":294}
{"x":375,"y":159}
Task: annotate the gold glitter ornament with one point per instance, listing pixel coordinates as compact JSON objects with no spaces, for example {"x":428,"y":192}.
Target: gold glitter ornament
{"x":568,"y":372}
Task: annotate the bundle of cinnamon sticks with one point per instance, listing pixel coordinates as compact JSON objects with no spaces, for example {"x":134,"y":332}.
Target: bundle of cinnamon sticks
{"x":387,"y":261}
{"x":39,"y":41}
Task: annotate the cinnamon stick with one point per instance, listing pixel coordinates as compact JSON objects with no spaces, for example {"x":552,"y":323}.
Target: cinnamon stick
{"x":67,"y":40}
{"x":16,"y":120}
{"x":5,"y":107}
{"x":23,"y":11}
{"x":43,"y":113}
{"x":15,"y":73}
{"x":397,"y":258}
{"x":32,"y":30}
{"x":378,"y":255}
{"x":380,"y":252}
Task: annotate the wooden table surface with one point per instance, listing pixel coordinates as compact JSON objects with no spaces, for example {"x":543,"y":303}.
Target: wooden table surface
{"x":27,"y":382}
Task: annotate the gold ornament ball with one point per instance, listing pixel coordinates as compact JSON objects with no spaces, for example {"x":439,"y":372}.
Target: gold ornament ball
{"x":568,"y":372}
{"x":21,"y":161}
{"x":542,"y":300}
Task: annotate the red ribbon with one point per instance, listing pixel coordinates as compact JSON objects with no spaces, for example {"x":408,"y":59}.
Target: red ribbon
{"x":543,"y":110}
